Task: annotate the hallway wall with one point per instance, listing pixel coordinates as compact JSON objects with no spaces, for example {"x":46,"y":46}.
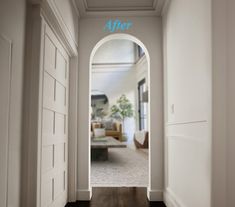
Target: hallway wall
{"x":219,"y":94}
{"x":148,"y":30}
{"x":223,"y":103}
{"x":187,"y":45}
{"x":231,"y":103}
{"x":12,"y":31}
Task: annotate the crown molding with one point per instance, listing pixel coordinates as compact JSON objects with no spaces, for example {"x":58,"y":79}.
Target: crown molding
{"x":34,"y":1}
{"x":54,"y":18}
{"x":154,"y":10}
{"x":155,"y":3}
{"x":133,"y":8}
{"x":76,"y":8}
{"x":160,"y":6}
{"x":165,"y":7}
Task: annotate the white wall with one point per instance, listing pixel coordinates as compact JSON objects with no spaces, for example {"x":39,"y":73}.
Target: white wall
{"x":219,"y":163}
{"x":12,"y":26}
{"x":116,"y":51}
{"x":147,"y":30}
{"x":223,"y":104}
{"x":231,"y":103}
{"x":187,"y":39}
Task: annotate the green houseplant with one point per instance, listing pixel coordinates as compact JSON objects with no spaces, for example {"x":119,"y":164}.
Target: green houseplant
{"x":122,"y":110}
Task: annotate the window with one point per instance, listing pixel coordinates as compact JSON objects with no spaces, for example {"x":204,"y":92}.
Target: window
{"x":140,"y":51}
{"x":142,"y":106}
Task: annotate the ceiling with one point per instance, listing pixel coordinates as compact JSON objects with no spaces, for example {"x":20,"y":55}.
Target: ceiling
{"x":120,"y":7}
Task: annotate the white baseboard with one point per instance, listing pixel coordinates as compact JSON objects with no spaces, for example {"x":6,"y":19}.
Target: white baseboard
{"x":155,"y":195}
{"x":171,"y":199}
{"x":84,"y":195}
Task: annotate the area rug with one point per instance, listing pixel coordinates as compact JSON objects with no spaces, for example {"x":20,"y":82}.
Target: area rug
{"x":124,"y":168}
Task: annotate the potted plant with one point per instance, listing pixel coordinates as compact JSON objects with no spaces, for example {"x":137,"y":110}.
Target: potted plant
{"x":122,"y":110}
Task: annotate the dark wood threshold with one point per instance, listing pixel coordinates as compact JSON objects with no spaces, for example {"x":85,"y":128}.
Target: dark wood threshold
{"x":117,"y":197}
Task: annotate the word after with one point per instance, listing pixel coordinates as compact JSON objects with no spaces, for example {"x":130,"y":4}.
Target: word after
{"x":117,"y":25}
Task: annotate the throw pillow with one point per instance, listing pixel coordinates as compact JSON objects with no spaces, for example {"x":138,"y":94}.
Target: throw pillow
{"x":114,"y":126}
{"x":108,"y":125}
{"x":99,"y":132}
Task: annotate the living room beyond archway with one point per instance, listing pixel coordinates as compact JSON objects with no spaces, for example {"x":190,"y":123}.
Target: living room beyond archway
{"x":119,"y":113}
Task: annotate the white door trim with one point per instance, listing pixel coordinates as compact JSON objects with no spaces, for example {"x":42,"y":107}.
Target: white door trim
{"x":152,"y":194}
{"x":38,"y":16}
{"x":4,"y":152}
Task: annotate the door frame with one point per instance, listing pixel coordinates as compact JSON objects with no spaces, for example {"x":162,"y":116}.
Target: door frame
{"x":37,"y":16}
{"x":134,"y":39}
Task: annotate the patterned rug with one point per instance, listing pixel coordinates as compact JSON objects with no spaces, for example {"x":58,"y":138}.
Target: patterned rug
{"x":125,"y":168}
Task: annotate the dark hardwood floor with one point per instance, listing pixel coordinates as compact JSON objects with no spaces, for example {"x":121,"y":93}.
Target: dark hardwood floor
{"x":118,"y":197}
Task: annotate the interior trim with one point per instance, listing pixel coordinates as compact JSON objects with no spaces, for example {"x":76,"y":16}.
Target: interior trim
{"x":171,"y":199}
{"x":155,"y":195}
{"x":84,"y":195}
{"x":9,"y":42}
{"x":155,"y":10}
{"x":186,"y":122}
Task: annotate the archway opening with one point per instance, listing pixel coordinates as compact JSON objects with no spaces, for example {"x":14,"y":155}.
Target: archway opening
{"x":142,"y":92}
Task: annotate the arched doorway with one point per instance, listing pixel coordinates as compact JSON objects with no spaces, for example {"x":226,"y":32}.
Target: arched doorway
{"x":121,"y":36}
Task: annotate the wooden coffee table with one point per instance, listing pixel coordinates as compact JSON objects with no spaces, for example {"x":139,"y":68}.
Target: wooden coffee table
{"x":99,"y":149}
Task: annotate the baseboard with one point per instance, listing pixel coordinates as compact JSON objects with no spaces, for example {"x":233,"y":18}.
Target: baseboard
{"x":171,"y":199}
{"x":155,"y":195}
{"x":84,"y":195}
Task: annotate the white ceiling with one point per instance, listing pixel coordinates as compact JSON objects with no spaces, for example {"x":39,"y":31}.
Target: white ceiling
{"x":110,"y":5}
{"x":120,"y":7}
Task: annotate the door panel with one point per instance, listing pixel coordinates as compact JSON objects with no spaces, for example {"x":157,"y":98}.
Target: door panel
{"x":54,"y":122}
{"x":50,"y":52}
{"x":5,"y":73}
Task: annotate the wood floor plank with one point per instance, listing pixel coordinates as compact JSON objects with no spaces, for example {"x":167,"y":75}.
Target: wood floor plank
{"x":117,"y":197}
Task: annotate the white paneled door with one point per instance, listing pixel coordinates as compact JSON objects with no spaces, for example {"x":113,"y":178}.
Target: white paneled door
{"x":54,"y":145}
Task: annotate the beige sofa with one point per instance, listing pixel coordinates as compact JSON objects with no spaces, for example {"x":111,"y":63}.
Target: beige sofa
{"x":116,"y":132}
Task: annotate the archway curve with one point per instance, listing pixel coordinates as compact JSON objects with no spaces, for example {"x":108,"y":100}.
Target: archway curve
{"x":122,"y":36}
